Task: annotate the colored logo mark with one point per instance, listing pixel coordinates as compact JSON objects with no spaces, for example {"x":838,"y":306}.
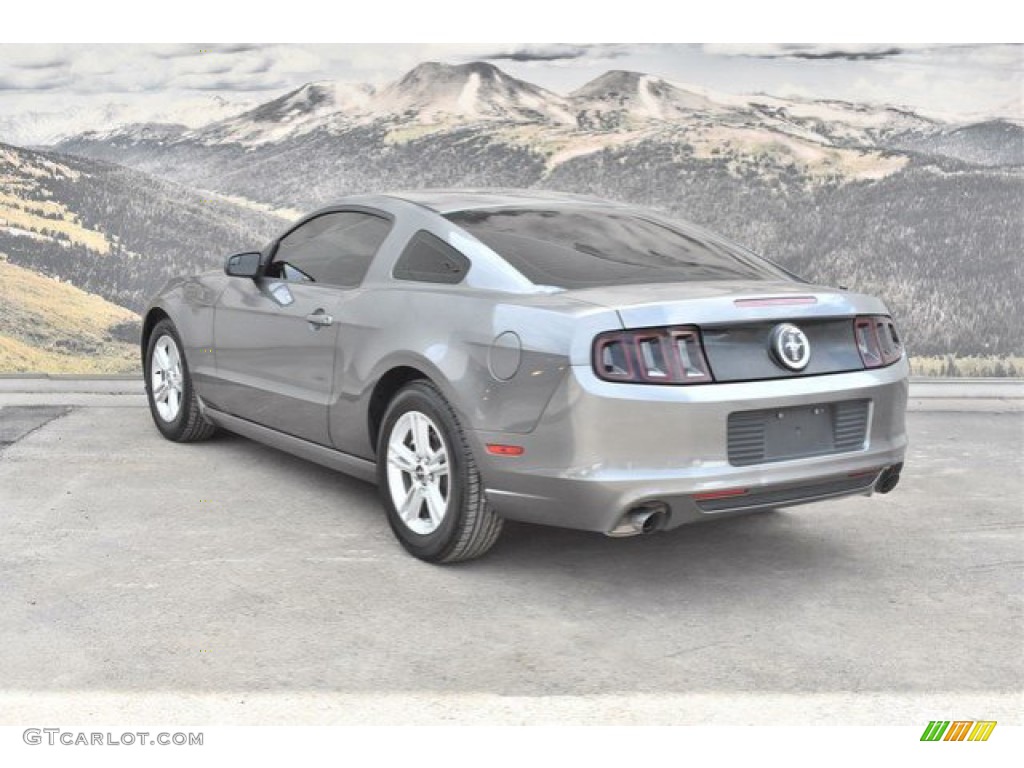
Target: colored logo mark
{"x":958,"y":730}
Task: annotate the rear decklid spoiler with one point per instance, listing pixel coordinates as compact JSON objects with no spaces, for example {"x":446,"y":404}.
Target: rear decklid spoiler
{"x":725,"y":302}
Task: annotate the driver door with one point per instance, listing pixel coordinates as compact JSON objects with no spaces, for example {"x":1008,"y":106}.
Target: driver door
{"x":276,"y":336}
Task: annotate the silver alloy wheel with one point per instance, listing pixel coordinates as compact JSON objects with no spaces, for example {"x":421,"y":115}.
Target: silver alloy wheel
{"x":166,"y":379}
{"x":419,"y":478}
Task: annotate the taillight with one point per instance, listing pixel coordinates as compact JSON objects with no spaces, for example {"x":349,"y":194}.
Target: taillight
{"x":652,"y":356}
{"x":877,"y":340}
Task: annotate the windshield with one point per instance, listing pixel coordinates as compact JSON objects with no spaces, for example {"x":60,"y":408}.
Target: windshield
{"x":581,"y":248}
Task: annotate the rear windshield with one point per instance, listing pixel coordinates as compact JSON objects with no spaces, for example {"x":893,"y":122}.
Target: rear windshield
{"x":574,"y":248}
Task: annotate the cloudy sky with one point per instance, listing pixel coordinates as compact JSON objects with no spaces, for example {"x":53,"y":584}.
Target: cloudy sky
{"x":155,"y":80}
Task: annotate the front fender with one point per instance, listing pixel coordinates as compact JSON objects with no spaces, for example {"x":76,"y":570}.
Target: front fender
{"x":190,"y":303}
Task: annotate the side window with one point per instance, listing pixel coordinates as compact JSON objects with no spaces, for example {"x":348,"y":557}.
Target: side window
{"x":428,"y":259}
{"x":334,"y":249}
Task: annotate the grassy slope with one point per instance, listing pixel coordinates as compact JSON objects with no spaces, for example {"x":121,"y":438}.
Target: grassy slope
{"x":51,"y":327}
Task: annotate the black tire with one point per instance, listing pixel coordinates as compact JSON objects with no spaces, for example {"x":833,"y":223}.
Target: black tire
{"x":188,"y":425}
{"x":469,"y":526}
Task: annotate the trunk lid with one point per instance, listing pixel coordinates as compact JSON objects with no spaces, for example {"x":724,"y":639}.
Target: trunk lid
{"x":738,"y":322}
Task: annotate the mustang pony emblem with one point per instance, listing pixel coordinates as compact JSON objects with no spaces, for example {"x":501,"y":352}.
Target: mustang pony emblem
{"x":791,"y":346}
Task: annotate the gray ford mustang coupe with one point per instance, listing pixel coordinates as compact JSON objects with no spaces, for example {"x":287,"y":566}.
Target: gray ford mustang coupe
{"x":492,"y":355}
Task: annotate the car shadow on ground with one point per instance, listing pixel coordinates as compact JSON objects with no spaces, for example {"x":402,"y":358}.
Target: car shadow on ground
{"x":764,"y":544}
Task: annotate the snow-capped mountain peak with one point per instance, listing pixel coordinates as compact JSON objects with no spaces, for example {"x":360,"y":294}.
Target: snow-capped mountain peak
{"x":641,"y":95}
{"x":478,"y":90}
{"x":313,"y":100}
{"x":300,"y":111}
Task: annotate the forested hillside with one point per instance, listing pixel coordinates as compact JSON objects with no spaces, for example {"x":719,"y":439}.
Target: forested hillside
{"x":114,"y":231}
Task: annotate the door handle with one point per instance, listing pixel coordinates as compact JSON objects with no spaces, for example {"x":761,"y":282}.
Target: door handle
{"x":319,"y":319}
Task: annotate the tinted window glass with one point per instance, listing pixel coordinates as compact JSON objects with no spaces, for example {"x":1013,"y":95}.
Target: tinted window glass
{"x":429,"y":259}
{"x":335,"y":249}
{"x":573,"y":248}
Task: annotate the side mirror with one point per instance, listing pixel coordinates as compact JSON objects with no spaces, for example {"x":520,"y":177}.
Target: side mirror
{"x":243,"y":265}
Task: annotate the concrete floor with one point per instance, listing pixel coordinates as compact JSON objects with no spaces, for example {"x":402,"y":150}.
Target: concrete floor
{"x":228,"y":582}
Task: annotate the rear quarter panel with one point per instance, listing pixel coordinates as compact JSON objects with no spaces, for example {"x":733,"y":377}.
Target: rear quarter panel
{"x":448,"y":333}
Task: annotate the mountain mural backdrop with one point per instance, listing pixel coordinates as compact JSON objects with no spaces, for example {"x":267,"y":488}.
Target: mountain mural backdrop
{"x":924,"y":212}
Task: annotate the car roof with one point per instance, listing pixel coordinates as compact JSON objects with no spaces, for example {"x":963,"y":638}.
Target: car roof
{"x":450,"y":200}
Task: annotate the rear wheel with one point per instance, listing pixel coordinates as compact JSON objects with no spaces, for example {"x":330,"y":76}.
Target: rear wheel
{"x":172,"y":399}
{"x":429,"y":481}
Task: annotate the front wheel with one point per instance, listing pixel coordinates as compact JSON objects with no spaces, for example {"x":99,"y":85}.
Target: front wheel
{"x":172,"y":398}
{"x":429,"y":481}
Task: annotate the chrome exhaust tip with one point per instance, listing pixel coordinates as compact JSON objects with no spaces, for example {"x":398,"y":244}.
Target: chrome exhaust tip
{"x":641,"y":521}
{"x":646,"y":520}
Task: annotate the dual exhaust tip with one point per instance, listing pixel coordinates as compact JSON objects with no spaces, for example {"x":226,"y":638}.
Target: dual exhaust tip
{"x":652,"y":516}
{"x":642,"y":520}
{"x":889,"y":479}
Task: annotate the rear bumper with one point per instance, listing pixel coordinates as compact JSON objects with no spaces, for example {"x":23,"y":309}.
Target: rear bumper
{"x":602,"y":449}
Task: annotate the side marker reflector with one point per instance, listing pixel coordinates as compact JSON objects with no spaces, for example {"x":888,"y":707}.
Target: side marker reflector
{"x":505,"y":450}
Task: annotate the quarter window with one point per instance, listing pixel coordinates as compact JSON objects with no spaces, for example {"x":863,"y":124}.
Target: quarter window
{"x":428,"y":259}
{"x":333,"y":249}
